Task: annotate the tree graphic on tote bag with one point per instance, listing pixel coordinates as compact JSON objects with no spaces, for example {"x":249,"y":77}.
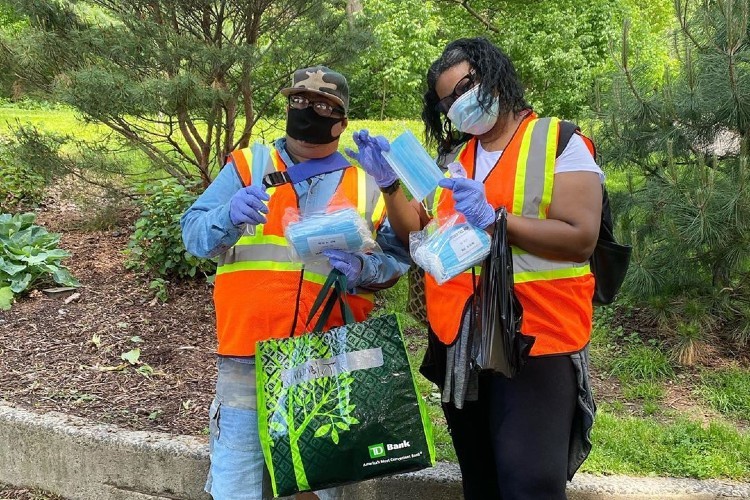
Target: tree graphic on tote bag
{"x":303,"y":395}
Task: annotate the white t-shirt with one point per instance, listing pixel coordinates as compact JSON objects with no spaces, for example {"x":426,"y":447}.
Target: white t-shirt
{"x":574,"y":158}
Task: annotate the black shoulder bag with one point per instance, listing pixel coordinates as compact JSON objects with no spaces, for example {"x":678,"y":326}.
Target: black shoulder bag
{"x":610,"y":260}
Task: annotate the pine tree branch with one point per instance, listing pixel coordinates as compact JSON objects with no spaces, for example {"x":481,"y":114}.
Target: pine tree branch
{"x":157,"y":156}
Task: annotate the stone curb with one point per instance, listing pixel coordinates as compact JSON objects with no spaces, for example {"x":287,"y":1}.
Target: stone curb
{"x":79,"y":460}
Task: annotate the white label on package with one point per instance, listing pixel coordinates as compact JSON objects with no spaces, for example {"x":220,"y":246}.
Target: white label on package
{"x":319,"y":243}
{"x":464,"y":241}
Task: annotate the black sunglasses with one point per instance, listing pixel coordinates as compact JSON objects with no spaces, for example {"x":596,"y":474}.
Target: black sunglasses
{"x":462,"y":86}
{"x":322,"y":108}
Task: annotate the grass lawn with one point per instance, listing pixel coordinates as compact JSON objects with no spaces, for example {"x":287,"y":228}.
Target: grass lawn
{"x":654,"y":440}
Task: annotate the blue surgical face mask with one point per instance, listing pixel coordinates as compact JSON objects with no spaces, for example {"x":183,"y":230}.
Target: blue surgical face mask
{"x":413,"y":165}
{"x":468,"y":116}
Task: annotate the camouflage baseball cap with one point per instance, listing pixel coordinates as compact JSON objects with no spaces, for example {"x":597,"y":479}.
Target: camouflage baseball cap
{"x":320,"y":80}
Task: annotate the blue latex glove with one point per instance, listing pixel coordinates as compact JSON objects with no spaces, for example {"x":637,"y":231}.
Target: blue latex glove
{"x":371,"y":158}
{"x":348,"y":263}
{"x":470,"y":200}
{"x":247,"y":206}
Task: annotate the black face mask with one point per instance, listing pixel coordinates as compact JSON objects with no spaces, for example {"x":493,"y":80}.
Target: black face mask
{"x":307,"y":125}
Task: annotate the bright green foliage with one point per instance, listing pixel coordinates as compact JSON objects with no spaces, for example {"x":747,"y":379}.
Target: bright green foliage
{"x":728,"y":391}
{"x":560,"y":48}
{"x":386,"y":81}
{"x":20,"y":186}
{"x":686,"y":145}
{"x":156,"y":246}
{"x":29,"y":257}
{"x":183,"y":82}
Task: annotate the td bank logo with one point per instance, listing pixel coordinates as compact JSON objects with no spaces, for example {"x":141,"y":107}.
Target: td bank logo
{"x":377,"y":450}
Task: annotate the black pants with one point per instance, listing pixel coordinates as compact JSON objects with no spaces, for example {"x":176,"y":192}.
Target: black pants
{"x":512,"y":443}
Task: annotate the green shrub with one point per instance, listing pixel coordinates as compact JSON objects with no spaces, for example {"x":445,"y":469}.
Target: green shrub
{"x":156,"y":246}
{"x":29,"y":256}
{"x":20,"y":186}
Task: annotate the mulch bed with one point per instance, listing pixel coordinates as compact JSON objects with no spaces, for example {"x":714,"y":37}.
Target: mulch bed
{"x":66,"y":357}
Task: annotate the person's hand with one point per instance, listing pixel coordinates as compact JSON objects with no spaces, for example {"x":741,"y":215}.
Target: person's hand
{"x":247,"y":206}
{"x":348,"y":263}
{"x":470,"y":200}
{"x":370,"y":156}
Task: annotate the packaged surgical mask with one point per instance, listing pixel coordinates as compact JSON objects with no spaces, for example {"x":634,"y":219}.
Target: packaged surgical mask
{"x":413,"y":165}
{"x":342,"y":229}
{"x":445,"y":251}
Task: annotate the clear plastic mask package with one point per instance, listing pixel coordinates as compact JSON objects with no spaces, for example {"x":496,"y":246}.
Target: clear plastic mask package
{"x":413,"y":165}
{"x":448,"y":249}
{"x":340,"y":229}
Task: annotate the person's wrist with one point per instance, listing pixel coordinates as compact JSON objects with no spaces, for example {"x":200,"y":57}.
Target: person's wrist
{"x":391,"y":188}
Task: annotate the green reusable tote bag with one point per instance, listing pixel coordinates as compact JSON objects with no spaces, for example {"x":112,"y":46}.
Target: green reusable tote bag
{"x":339,"y":406}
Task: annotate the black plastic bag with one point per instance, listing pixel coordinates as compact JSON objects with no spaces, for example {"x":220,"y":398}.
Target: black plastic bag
{"x":500,"y":346}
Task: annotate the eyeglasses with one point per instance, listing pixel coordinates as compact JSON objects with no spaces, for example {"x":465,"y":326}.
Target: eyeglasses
{"x":464,"y":85}
{"x":320,"y":107}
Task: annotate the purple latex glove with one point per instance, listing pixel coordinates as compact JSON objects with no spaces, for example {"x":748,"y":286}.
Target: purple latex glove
{"x":470,"y":200}
{"x":247,"y":206}
{"x":348,"y":263}
{"x":370,"y":156}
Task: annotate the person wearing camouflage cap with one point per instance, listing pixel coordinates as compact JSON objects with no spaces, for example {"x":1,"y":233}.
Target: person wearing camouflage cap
{"x":259,"y":291}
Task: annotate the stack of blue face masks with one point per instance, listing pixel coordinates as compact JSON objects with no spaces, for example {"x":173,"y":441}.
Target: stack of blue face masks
{"x":446,"y":251}
{"x":413,"y":165}
{"x":340,"y":230}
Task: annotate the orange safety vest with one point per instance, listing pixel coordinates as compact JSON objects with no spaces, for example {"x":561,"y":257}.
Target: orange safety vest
{"x":259,"y":292}
{"x":555,"y":295}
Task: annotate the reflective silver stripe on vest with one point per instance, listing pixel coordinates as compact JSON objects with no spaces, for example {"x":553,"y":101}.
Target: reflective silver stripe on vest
{"x":525,"y":262}
{"x":535,"y":169}
{"x":258,"y":251}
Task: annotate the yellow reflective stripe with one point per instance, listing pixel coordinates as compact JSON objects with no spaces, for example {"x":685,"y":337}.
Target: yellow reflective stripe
{"x":477,"y":270}
{"x":361,"y":192}
{"x":258,"y":265}
{"x":377,"y":212}
{"x":260,"y":239}
{"x":548,"y":275}
{"x":523,"y":157}
{"x":314,"y":277}
{"x":549,"y":167}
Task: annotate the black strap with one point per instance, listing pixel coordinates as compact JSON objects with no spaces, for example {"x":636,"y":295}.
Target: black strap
{"x":336,"y":285}
{"x":567,"y":129}
{"x":276,"y":179}
{"x":309,"y":168}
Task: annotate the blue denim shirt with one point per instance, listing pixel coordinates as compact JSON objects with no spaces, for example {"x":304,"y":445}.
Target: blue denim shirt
{"x":207,"y":230}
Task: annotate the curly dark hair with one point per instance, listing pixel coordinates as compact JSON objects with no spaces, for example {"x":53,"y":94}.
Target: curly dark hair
{"x":496,"y":75}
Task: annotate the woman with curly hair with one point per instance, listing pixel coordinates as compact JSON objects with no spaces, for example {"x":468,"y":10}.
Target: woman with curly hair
{"x":520,"y":437}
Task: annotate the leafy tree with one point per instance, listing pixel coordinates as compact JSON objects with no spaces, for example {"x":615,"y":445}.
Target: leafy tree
{"x":185,"y":82}
{"x":387,"y":80}
{"x":560,"y":48}
{"x":685,"y":144}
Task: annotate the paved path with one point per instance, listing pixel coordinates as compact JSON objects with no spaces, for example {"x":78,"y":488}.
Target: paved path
{"x":79,"y":460}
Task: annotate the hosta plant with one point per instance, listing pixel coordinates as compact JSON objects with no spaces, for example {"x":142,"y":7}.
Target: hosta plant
{"x":29,"y":257}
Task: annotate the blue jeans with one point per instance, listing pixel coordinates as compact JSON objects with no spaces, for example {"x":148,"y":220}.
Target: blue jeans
{"x":237,"y":469}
